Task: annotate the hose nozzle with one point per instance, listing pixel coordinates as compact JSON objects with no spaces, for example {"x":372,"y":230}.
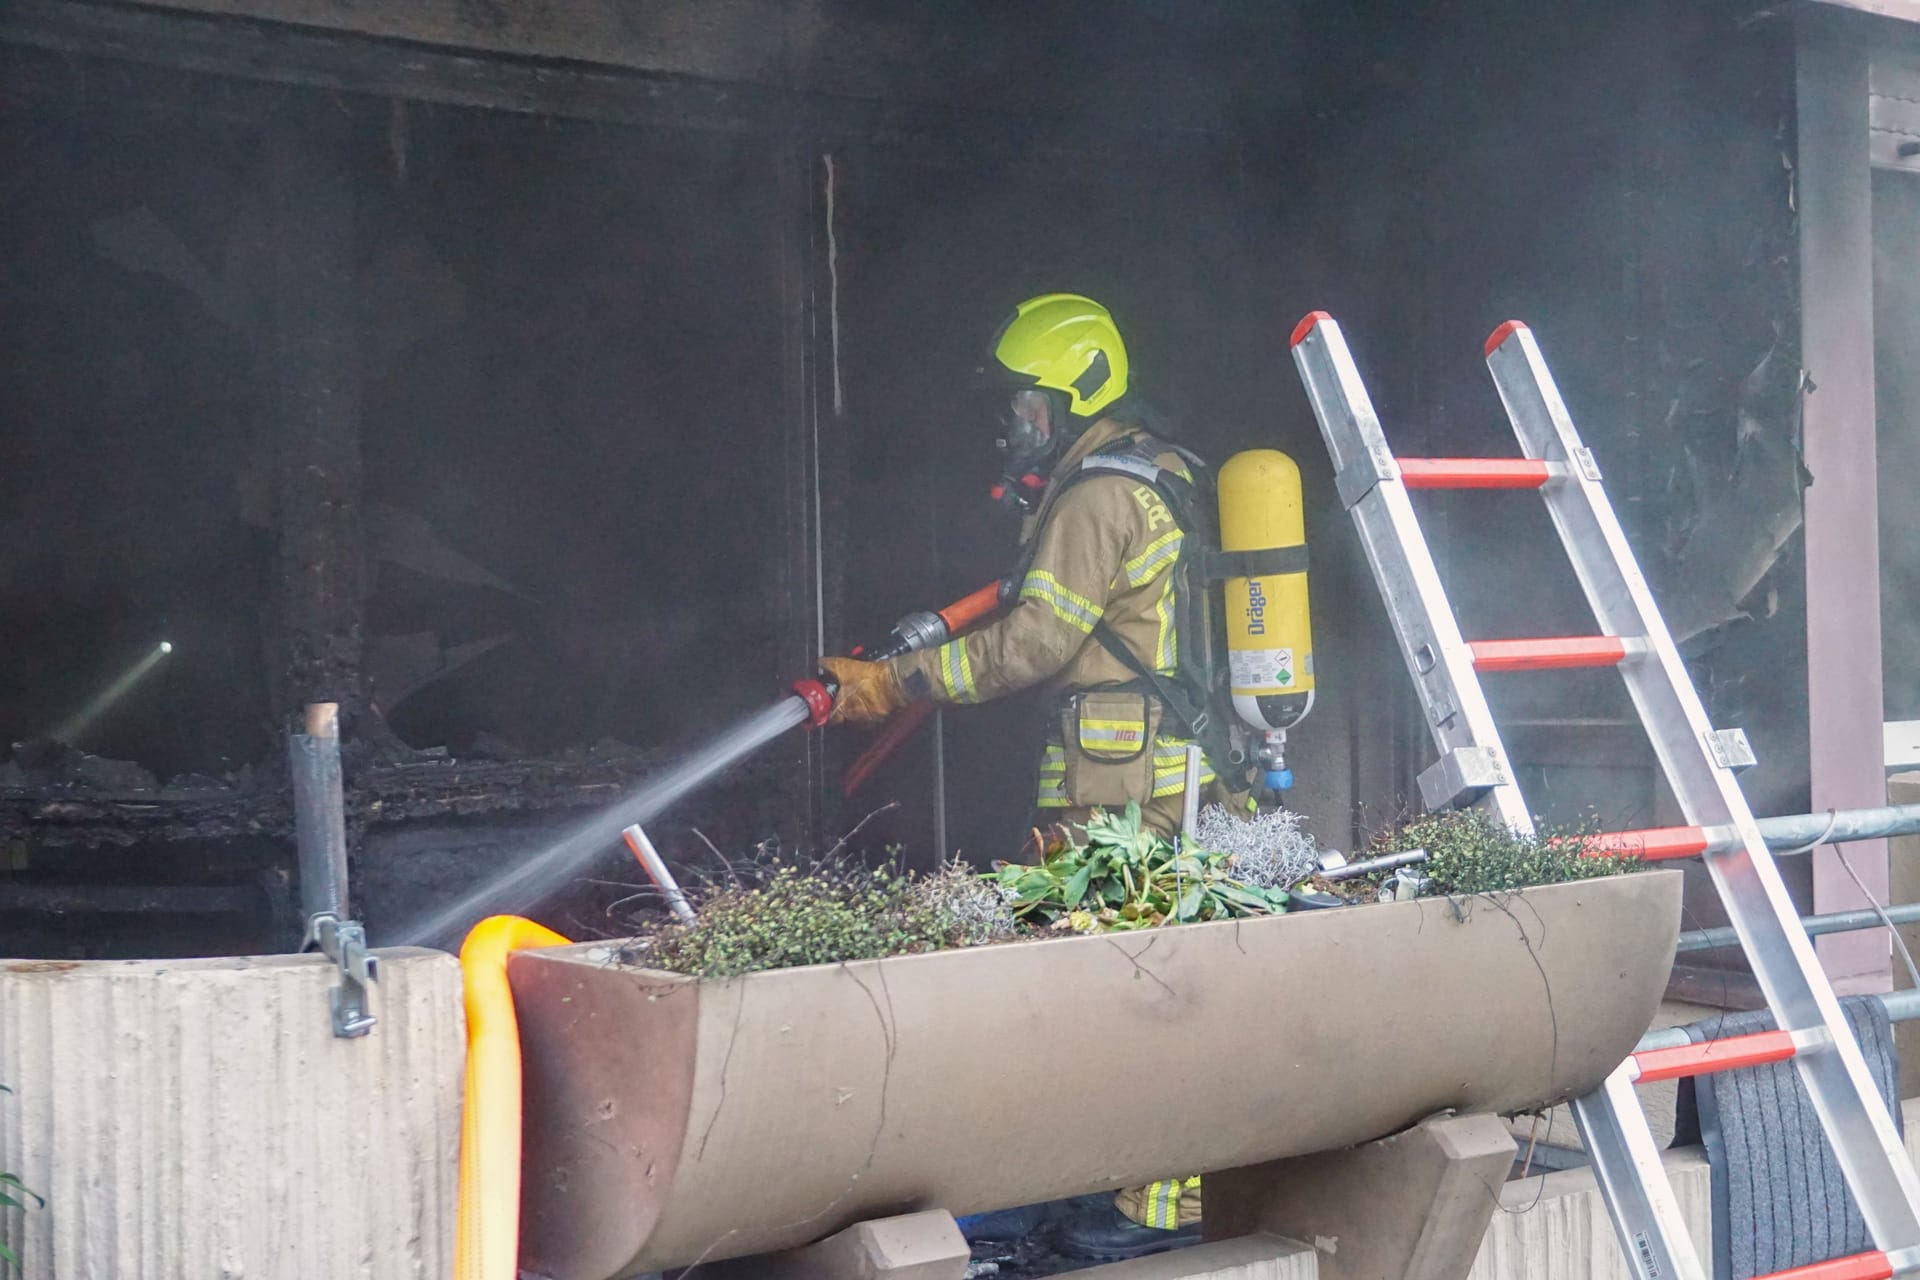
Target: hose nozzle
{"x":819,"y":694}
{"x":922,"y":629}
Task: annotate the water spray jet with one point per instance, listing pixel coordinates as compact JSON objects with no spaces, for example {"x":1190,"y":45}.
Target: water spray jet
{"x":811,"y":702}
{"x":519,"y":886}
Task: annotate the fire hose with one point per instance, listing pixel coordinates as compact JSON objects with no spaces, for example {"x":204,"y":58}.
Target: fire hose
{"x":919,"y":630}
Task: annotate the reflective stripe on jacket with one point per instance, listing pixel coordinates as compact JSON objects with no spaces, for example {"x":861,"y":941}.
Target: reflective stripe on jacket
{"x":1169,"y":772}
{"x":1102,"y":549}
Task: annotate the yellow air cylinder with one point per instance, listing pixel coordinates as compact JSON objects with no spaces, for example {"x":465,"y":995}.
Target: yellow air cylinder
{"x":1269,"y":642}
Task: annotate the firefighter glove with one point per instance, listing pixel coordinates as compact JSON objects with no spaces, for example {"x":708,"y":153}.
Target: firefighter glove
{"x":869,"y":691}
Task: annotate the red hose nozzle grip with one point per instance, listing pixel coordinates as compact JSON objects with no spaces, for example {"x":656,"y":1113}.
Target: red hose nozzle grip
{"x":969,"y":609}
{"x":819,"y":696}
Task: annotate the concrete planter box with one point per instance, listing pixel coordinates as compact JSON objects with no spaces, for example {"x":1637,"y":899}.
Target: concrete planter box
{"x":670,"y":1120}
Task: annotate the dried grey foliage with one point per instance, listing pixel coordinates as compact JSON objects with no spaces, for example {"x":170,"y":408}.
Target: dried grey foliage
{"x":973,"y":908}
{"x":1269,"y":850}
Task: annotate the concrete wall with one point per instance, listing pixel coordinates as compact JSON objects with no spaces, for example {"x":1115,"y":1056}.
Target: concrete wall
{"x":1555,"y":1227}
{"x":198,"y":1119}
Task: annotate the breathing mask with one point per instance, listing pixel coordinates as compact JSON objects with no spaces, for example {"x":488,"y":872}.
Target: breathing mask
{"x":1029,"y":440}
{"x":1029,"y":434}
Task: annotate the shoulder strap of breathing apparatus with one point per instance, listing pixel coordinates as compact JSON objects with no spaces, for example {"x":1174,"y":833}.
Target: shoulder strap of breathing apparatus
{"x":1189,"y":694}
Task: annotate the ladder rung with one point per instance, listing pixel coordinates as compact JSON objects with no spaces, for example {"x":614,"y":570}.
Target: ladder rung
{"x":1652,"y":844}
{"x":1861,"y":1266}
{"x":1713,"y":1055}
{"x":1547,"y":653}
{"x":1473,"y":473}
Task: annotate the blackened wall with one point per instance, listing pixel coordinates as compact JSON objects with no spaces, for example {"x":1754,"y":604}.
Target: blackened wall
{"x":600,"y":372}
{"x":571,"y":418}
{"x":604,"y":367}
{"x":126,"y":415}
{"x":1620,"y":178}
{"x":1201,"y":275}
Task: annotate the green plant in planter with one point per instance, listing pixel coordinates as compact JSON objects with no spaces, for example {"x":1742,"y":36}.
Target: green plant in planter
{"x":1470,"y":851}
{"x":11,"y":1192}
{"x":800,"y":916}
{"x":1126,"y":876}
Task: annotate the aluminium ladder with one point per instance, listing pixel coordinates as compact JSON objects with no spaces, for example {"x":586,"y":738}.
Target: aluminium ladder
{"x":1473,"y":769}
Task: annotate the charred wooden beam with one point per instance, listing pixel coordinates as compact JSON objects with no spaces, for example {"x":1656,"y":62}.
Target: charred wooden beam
{"x":133,"y":899}
{"x":319,"y":590}
{"x":549,"y":85}
{"x":380,"y":795}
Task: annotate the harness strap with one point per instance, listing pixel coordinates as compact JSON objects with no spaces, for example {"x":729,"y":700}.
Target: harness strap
{"x":1218,"y":566}
{"x":1135,"y":457}
{"x":1194,"y":718}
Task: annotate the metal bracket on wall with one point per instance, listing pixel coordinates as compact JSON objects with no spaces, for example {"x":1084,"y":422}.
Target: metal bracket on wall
{"x":345,"y":943}
{"x":1462,"y":776}
{"x":1731,"y":750}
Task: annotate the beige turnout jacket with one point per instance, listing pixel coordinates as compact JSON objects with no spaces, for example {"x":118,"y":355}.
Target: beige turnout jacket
{"x":1103,"y":548}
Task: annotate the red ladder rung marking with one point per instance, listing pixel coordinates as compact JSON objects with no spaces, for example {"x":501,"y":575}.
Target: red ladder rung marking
{"x":1713,"y":1055}
{"x":1473,"y":473}
{"x":1301,"y":330}
{"x":1652,"y":844}
{"x":1501,"y":334}
{"x":1861,"y":1266}
{"x":1547,"y":653}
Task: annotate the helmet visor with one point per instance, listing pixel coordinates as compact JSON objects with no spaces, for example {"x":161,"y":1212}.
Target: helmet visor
{"x":1026,"y":409}
{"x":1026,"y":428}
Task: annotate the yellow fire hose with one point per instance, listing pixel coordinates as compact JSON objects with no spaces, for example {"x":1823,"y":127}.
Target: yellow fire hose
{"x":488,"y":1244}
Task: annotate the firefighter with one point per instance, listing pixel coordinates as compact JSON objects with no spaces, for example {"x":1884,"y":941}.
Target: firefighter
{"x":1094,"y":626}
{"x":1098,"y":552}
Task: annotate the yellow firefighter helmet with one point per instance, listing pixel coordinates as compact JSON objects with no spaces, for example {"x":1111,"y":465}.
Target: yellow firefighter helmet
{"x":1066,"y":343}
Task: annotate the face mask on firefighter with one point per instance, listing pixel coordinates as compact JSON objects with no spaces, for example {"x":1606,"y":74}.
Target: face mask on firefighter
{"x":1026,"y":431}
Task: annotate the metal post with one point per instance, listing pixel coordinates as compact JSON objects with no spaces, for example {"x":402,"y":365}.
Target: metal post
{"x":656,"y":868}
{"x":942,"y":850}
{"x":319,"y":814}
{"x":320,"y":836}
{"x":1901,"y":1006}
{"x":1836,"y":922}
{"x":1840,"y":542}
{"x":1846,"y":825}
{"x":1190,"y":810}
{"x":1367,"y":866}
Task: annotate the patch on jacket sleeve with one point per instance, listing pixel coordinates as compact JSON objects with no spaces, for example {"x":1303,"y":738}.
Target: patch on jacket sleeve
{"x":916,"y":685}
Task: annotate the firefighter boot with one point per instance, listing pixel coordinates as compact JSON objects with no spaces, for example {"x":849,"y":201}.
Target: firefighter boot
{"x":1098,"y":1231}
